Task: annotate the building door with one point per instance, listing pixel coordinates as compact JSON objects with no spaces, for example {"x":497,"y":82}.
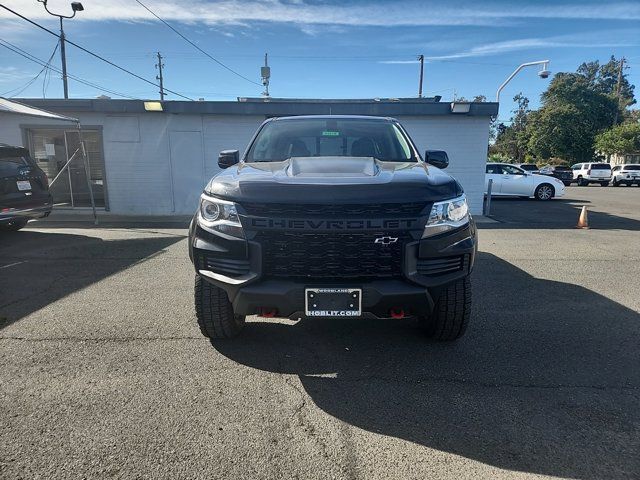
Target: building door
{"x":187,"y":170}
{"x":51,"y":147}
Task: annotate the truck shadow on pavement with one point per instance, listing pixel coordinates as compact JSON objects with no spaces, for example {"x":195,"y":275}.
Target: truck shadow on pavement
{"x":546,"y":380}
{"x":555,"y":214}
{"x":39,"y":267}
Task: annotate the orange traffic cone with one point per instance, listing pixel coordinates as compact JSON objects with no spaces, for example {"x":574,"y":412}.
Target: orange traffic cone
{"x":583,"y":221}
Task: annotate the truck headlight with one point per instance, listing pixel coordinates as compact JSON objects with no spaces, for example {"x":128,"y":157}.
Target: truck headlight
{"x":220,"y":216}
{"x":447,"y":215}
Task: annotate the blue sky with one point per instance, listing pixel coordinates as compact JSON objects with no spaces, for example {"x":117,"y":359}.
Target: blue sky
{"x":327,"y":49}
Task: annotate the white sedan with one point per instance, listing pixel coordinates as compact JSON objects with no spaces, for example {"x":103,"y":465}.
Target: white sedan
{"x":509,"y":180}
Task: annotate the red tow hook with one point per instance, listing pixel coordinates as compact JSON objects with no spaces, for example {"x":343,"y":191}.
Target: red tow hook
{"x":397,"y":313}
{"x":267,"y":313}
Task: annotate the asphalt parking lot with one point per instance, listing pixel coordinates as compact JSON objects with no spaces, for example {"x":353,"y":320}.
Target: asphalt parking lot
{"x":104,"y":373}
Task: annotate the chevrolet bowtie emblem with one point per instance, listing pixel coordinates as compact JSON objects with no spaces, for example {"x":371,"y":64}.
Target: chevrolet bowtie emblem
{"x":386,"y":240}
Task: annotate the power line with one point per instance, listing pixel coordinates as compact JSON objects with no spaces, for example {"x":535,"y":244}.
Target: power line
{"x":19,"y":90}
{"x":94,"y":54}
{"x":196,"y":46}
{"x":47,"y":73}
{"x":28,"y":56}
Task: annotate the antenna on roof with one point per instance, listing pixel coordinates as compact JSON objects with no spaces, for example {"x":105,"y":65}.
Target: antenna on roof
{"x":265,"y":73}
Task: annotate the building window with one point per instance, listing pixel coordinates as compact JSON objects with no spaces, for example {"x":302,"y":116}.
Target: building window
{"x":52,"y":147}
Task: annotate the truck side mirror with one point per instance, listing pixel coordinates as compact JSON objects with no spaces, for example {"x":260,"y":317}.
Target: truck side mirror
{"x":437,"y":158}
{"x":228,"y":158}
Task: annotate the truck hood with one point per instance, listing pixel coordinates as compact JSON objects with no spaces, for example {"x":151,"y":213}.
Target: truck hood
{"x":334,"y":180}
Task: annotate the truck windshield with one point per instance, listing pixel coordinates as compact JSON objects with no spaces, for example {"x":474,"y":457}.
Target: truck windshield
{"x":321,"y":137}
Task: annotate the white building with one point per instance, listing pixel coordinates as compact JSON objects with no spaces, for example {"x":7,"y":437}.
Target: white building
{"x":157,"y":162}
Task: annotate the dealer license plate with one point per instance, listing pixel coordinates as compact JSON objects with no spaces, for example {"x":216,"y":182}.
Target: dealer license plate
{"x":333,"y":302}
{"x":23,"y":185}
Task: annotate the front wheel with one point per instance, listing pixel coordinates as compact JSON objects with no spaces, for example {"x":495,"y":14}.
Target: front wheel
{"x":604,"y":184}
{"x":582,"y":182}
{"x":14,"y":225}
{"x":567,"y":184}
{"x":544,"y":192}
{"x":215,"y":312}
{"x":451,"y":313}
{"x":616,"y":183}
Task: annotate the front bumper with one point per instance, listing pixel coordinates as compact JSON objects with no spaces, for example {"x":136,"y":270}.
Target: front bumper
{"x":238,"y":271}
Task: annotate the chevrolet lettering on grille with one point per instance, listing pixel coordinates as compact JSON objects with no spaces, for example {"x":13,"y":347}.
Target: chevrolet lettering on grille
{"x":347,"y":224}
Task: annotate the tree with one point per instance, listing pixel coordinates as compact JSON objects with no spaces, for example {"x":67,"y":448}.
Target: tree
{"x":623,"y":138}
{"x":477,"y":98}
{"x":559,"y":130}
{"x":571,"y":116}
{"x":604,"y":79}
{"x":511,"y":141}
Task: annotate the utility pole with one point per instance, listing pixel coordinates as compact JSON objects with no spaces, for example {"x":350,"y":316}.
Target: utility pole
{"x":421,"y":58}
{"x":265,"y":73}
{"x":619,"y":77}
{"x":619,"y":84}
{"x":75,"y":7}
{"x":159,"y":66}
{"x":63,"y":55}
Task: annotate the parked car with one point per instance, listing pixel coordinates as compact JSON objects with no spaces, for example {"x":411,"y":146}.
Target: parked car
{"x":24,"y":188}
{"x":509,"y":180}
{"x":625,"y":175}
{"x":586,"y":173}
{"x":333,"y":216}
{"x":562,"y":173}
{"x":529,"y":167}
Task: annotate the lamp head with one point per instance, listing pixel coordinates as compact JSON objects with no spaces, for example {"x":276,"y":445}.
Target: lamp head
{"x":77,"y":7}
{"x":545,"y":72}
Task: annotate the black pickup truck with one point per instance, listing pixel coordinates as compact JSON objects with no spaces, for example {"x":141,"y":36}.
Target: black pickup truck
{"x":332,"y":216}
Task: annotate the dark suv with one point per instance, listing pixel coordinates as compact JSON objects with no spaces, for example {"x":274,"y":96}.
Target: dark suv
{"x":561,"y":172}
{"x":24,"y":189}
{"x":333,"y":216}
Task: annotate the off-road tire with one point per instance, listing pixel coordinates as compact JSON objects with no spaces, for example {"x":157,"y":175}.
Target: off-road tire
{"x":451,"y":312}
{"x":14,"y":225}
{"x":215,"y":312}
{"x":538,"y":195}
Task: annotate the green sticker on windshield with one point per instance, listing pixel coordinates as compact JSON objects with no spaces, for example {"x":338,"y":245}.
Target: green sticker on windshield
{"x":330,"y":134}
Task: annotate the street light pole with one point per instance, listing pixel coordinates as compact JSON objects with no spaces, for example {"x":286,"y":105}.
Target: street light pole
{"x":75,"y":7}
{"x":544,"y":73}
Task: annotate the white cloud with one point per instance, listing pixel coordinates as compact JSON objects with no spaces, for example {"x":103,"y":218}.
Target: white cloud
{"x":588,"y":40}
{"x":376,"y":13}
{"x":13,"y":74}
{"x":398,"y":62}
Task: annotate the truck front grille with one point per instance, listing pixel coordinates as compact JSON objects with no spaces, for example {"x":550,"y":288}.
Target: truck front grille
{"x":371,"y":210}
{"x":331,"y":255}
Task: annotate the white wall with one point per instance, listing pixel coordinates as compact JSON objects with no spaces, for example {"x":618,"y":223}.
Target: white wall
{"x":138,"y":166}
{"x":465,"y":139}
